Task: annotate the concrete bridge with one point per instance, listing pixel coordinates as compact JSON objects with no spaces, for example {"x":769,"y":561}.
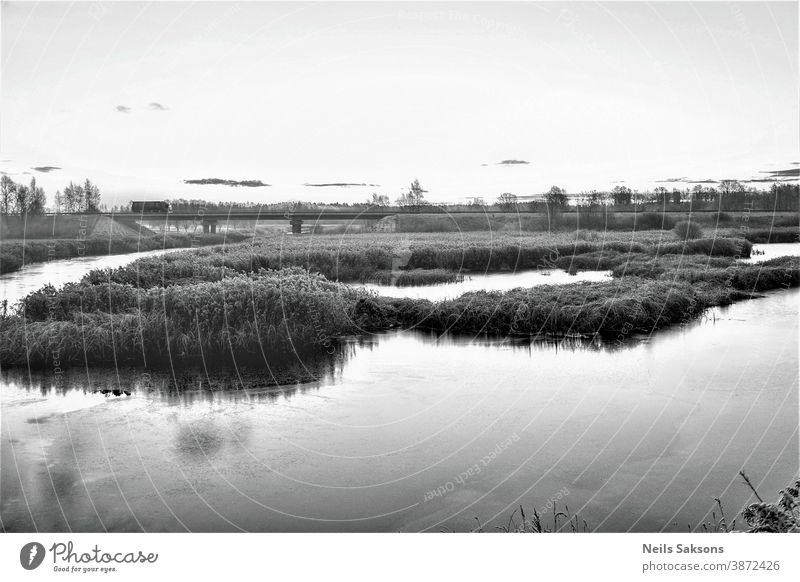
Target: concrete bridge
{"x":296,"y":218}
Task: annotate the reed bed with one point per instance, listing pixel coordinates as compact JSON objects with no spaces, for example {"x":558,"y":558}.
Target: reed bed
{"x":221,"y":300}
{"x":274,"y":313}
{"x":363,"y":258}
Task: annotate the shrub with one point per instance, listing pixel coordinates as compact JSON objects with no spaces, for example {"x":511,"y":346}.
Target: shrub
{"x":686,"y":230}
{"x":654,"y":221}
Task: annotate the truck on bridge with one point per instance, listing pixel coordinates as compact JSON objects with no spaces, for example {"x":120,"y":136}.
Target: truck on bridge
{"x":146,"y":206}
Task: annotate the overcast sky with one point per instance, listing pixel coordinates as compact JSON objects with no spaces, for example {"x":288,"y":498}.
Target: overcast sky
{"x":140,"y":96}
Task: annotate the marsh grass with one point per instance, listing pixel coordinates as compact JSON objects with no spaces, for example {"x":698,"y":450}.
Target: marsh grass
{"x":219,"y":300}
{"x":271,"y":313}
{"x":364,"y":258}
{"x":780,"y":516}
{"x":416,"y":277}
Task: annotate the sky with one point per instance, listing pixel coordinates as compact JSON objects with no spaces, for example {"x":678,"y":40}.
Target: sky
{"x":142,"y":96}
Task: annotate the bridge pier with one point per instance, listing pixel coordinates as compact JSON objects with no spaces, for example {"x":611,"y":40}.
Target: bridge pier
{"x":297,"y":225}
{"x":209,"y":226}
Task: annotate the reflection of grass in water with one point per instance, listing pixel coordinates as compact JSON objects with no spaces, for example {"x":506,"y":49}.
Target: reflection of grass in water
{"x":416,"y":277}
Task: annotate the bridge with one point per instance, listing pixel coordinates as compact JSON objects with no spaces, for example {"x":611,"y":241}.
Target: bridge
{"x":296,"y":218}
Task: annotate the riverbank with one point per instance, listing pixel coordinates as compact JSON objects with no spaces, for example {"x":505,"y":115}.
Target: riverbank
{"x":14,"y":254}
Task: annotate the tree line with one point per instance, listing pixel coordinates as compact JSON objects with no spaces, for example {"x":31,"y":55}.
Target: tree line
{"x":21,"y":199}
{"x":728,"y":195}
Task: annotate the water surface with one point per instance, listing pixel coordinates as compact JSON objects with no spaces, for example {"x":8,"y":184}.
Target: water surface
{"x":410,"y":431}
{"x":641,"y":434}
{"x":772,"y":251}
{"x":16,"y":285}
{"x":489,"y":282}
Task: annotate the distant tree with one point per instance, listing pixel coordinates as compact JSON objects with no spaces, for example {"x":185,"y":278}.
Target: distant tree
{"x":595,"y":198}
{"x":58,"y":201}
{"x":785,"y":196}
{"x":414,"y":198}
{"x":379,"y":200}
{"x":676,"y":196}
{"x":477,"y":201}
{"x":37,"y":201}
{"x":732,"y":194}
{"x":622,"y":195}
{"x":92,"y":195}
{"x":660,"y":195}
{"x":556,"y":197}
{"x":21,"y":199}
{"x":727,"y":187}
{"x":507,"y":201}
{"x":7,"y":193}
{"x":73,"y":198}
{"x":417,"y":193}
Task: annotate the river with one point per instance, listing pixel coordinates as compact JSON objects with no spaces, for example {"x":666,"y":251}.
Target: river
{"x":638,"y":434}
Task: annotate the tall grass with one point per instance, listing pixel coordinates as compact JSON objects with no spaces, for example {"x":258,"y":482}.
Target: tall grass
{"x":365,"y":258}
{"x":275,"y":312}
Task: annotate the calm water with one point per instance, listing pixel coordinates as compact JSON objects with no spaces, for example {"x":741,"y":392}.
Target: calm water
{"x":774,"y":250}
{"x":489,"y":282}
{"x":637,"y":435}
{"x":14,"y":286}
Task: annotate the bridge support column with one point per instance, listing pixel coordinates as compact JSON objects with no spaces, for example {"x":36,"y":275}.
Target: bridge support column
{"x":297,"y":225}
{"x":209,"y":226}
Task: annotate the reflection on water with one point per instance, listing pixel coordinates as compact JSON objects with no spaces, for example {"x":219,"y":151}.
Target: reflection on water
{"x":489,"y":282}
{"x":643,"y":434}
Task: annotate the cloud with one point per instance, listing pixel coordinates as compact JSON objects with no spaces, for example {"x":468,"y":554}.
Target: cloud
{"x":512,"y":162}
{"x":123,"y":109}
{"x":45,"y":169}
{"x":155,"y":106}
{"x":224,"y":182}
{"x":794,"y":172}
{"x":341,"y":184}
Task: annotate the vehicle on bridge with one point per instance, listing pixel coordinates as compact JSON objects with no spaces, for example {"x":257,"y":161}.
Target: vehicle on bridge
{"x":145,"y":206}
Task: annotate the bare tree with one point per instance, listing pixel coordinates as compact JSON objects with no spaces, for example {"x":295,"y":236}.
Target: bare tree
{"x":7,"y":192}
{"x":379,"y":200}
{"x":414,"y":198}
{"x":507,"y":201}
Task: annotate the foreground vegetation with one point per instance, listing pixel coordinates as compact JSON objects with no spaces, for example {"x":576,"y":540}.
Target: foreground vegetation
{"x":781,"y":516}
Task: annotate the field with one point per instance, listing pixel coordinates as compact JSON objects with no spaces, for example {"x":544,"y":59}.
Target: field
{"x":288,"y":294}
